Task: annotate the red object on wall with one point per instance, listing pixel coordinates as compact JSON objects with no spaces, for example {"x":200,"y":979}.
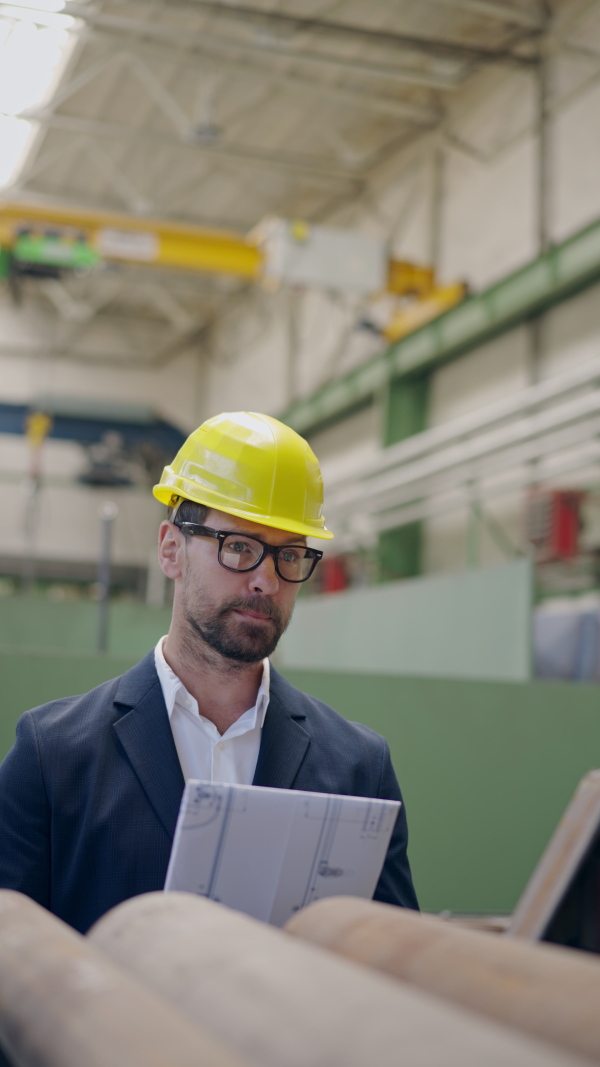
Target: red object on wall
{"x":554,"y":523}
{"x":333,"y":575}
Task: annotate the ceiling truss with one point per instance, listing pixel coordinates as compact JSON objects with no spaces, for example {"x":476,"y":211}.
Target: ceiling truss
{"x":356,"y":93}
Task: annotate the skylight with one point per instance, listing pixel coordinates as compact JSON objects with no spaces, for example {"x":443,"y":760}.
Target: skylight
{"x":35,"y":43}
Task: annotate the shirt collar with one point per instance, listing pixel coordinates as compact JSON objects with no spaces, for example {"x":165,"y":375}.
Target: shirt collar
{"x":174,"y":690}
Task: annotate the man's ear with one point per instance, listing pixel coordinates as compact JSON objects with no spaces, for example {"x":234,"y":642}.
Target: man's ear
{"x":171,"y":547}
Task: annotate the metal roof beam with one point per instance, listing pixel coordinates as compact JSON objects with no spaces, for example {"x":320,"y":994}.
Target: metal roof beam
{"x":156,"y":31}
{"x":303,"y":166}
{"x":498,"y":12}
{"x":429,"y":46}
{"x":61,"y":354}
{"x":414,"y":113}
{"x":417,"y":114}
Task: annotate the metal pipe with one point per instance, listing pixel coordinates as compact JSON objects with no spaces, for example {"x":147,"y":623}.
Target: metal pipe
{"x":393,"y":487}
{"x":551,"y":993}
{"x":510,"y":473}
{"x":523,"y":402}
{"x":457,"y":498}
{"x":64,"y":1004}
{"x":32,"y":488}
{"x":288,"y":1004}
{"x":108,"y":513}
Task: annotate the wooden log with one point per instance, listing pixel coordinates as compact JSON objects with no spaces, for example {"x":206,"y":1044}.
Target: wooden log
{"x":63,"y":1003}
{"x":288,"y":1004}
{"x":542,"y":990}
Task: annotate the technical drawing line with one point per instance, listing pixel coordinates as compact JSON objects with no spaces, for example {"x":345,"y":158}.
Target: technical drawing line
{"x":324,"y":843}
{"x":377,"y":816}
{"x":214,"y":810}
{"x":332,"y":825}
{"x":315,"y":860}
{"x":221,"y":843}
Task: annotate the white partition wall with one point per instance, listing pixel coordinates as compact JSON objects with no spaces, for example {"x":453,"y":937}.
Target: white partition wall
{"x":476,"y":624}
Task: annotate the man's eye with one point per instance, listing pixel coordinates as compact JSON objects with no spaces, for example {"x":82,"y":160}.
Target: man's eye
{"x":290,"y":555}
{"x":238,"y":546}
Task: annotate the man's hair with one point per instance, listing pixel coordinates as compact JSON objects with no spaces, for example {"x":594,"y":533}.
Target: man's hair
{"x":188,"y":511}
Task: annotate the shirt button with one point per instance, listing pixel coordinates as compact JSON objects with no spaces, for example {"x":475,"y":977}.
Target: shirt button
{"x":221,"y":746}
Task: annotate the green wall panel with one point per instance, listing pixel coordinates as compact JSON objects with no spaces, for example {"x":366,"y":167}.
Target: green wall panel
{"x":35,"y":622}
{"x":32,"y":677}
{"x":400,"y":552}
{"x":487,"y":769}
{"x":474,"y":624}
{"x":405,"y":408}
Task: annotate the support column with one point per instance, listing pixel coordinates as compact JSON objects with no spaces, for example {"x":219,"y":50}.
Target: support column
{"x":437,"y":198}
{"x":544,"y":162}
{"x":404,"y":413}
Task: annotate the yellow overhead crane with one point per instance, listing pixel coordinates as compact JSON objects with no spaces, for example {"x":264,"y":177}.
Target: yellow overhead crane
{"x":134,"y":240}
{"x":161,"y":243}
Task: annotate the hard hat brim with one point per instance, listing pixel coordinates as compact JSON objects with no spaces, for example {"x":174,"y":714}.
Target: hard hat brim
{"x":165,"y":493}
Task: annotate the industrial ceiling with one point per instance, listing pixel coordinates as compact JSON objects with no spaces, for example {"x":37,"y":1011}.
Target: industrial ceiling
{"x":219,"y":113}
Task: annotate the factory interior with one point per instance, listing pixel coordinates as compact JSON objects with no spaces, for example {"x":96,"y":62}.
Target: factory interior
{"x":378,"y":222}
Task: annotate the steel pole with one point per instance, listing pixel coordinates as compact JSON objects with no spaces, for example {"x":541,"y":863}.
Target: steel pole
{"x":108,"y":513}
{"x":545,"y":161}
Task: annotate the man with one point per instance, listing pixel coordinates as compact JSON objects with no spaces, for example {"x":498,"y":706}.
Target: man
{"x":90,"y":792}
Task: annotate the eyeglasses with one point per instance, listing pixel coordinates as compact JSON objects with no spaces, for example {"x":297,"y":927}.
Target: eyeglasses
{"x":238,"y":552}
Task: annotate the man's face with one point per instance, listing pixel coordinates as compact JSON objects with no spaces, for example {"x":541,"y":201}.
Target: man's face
{"x":242,"y":614}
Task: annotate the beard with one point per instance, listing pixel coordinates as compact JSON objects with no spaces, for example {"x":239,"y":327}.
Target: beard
{"x":242,"y":640}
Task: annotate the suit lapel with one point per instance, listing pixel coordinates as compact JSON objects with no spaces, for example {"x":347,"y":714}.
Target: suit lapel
{"x":283,"y":744}
{"x":145,"y":733}
{"x":146,"y":736}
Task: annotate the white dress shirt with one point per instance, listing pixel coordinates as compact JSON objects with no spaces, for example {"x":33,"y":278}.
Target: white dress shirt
{"x":203,"y":752}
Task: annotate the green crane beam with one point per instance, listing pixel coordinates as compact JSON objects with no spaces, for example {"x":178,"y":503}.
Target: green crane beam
{"x":552,"y":277}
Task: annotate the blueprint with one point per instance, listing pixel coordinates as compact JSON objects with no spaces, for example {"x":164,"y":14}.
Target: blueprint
{"x":269,"y":852}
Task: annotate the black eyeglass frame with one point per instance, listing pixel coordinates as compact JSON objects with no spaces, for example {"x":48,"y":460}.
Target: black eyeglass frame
{"x":195,"y":530}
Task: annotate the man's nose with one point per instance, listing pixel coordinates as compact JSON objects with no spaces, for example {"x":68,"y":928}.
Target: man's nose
{"x":264,"y":579}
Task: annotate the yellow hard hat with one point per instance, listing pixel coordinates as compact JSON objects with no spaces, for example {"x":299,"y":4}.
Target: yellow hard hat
{"x":251,"y":466}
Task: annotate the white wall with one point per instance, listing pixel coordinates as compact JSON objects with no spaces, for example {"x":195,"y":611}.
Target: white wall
{"x":68,"y":524}
{"x":499,"y":368}
{"x":173,"y":389}
{"x":342,"y":445}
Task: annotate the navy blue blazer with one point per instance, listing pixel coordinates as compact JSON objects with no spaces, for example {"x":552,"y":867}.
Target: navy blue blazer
{"x":90,"y":791}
